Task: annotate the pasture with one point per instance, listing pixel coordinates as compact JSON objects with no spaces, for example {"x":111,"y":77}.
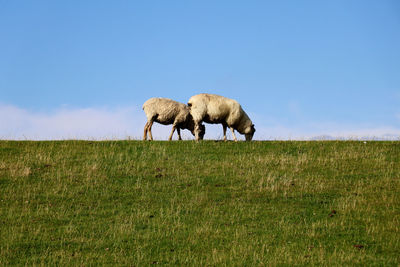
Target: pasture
{"x":137,"y":203}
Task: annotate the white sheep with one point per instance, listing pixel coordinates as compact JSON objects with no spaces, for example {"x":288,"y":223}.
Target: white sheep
{"x":167,"y":111}
{"x":218,"y":109}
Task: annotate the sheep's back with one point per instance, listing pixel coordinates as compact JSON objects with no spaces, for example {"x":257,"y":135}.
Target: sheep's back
{"x":215,"y":108}
{"x":165,"y":111}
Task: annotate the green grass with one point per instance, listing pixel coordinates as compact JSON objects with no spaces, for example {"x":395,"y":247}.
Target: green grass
{"x":205,"y":204}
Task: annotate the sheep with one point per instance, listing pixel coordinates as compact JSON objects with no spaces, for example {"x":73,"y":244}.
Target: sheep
{"x":167,"y":111}
{"x":218,"y":109}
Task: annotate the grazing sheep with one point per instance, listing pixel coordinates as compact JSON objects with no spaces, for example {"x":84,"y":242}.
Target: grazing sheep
{"x":218,"y":109}
{"x":167,"y":111}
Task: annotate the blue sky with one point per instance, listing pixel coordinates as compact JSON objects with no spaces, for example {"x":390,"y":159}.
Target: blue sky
{"x":300,"y":69}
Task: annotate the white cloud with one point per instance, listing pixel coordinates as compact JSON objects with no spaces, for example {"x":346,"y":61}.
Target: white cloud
{"x":83,"y":123}
{"x":67,"y":123}
{"x":128,"y":122}
{"x":328,"y":131}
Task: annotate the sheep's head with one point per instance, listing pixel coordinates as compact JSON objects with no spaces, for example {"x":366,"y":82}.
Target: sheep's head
{"x":202,"y":131}
{"x":190,"y":125}
{"x":249,"y":132}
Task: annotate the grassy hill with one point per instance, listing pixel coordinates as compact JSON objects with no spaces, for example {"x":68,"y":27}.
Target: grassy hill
{"x":208,"y":203}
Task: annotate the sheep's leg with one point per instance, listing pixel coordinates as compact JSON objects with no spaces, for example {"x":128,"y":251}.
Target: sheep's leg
{"x":224,"y":129}
{"x":172,"y":132}
{"x":197,"y":130}
{"x":179,"y":133}
{"x":233,"y":134}
{"x":149,"y":129}
{"x":145,"y":131}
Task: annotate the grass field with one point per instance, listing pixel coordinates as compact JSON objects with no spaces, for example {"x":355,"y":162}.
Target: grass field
{"x":137,"y":203}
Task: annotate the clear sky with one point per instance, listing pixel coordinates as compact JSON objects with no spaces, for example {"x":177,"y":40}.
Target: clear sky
{"x":300,"y":69}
